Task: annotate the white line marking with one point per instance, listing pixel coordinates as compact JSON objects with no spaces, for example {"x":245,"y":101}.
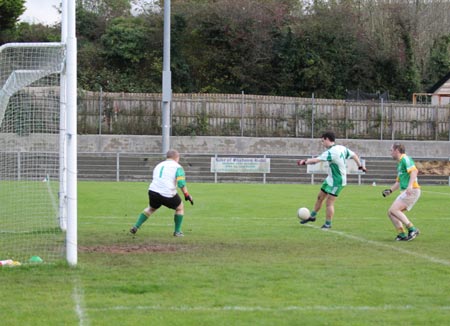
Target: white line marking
{"x":273,"y":309}
{"x":379,"y":244}
{"x":436,"y":192}
{"x":78,"y":298}
{"x":52,"y":196}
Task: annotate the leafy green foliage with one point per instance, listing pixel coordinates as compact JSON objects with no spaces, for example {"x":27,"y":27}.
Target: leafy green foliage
{"x":26,"y":32}
{"x":121,"y":54}
{"x":89,"y":25}
{"x":439,"y":59}
{"x":10,"y":11}
{"x":106,"y":9}
{"x":123,"y":41}
{"x":269,"y":47}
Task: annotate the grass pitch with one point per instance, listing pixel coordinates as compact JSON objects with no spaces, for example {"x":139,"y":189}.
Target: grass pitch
{"x":244,"y":260}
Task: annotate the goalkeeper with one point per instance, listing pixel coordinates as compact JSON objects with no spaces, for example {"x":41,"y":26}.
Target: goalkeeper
{"x":167,"y":176}
{"x":406,"y":181}
{"x":336,"y":156}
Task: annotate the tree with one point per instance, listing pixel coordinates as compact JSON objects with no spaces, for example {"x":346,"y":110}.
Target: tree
{"x":90,"y":26}
{"x":124,"y":40}
{"x":25,"y":32}
{"x":107,"y":9}
{"x":228,"y":43}
{"x":127,"y":57}
{"x":321,"y":52}
{"x":439,"y":64}
{"x":276,"y":47}
{"x":10,"y":11}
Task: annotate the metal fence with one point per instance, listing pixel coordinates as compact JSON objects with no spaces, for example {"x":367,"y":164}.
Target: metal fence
{"x":121,"y":166}
{"x":260,"y":116}
{"x":283,"y":169}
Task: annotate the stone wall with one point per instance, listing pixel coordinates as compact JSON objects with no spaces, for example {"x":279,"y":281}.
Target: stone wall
{"x":250,"y":145}
{"x":222,"y":145}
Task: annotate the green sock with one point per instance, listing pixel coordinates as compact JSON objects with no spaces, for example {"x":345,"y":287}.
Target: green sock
{"x":178,"y":219}
{"x":313,"y":214}
{"x":327,"y":222}
{"x":412,"y":228}
{"x":401,"y":231}
{"x":141,"y":219}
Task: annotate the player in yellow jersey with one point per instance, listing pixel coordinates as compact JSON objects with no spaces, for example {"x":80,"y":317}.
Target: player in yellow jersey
{"x":409,"y":187}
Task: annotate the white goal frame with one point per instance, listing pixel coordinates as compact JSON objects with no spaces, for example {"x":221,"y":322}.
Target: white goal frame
{"x":68,"y":36}
{"x":21,"y":78}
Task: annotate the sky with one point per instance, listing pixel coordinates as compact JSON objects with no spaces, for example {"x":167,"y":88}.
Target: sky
{"x":44,"y":12}
{"x":41,"y":11}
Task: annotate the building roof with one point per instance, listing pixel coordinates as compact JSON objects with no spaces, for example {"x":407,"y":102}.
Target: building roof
{"x":440,"y":83}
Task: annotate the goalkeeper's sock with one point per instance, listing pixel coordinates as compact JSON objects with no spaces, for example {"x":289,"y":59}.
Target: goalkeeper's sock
{"x":141,"y":219}
{"x":328,"y":222}
{"x":401,"y":232}
{"x":411,"y":227}
{"x":313,"y":214}
{"x":178,"y":219}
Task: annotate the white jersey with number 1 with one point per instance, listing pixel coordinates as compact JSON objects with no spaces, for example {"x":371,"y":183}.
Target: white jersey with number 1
{"x":165,"y":178}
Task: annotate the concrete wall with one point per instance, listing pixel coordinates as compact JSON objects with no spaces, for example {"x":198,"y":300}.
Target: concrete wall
{"x":247,"y":145}
{"x":221,"y":145}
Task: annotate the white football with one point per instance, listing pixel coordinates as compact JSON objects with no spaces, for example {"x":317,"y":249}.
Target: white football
{"x":303,"y":213}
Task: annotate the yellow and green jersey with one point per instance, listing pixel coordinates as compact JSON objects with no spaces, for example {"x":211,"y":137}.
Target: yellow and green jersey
{"x":404,"y":167}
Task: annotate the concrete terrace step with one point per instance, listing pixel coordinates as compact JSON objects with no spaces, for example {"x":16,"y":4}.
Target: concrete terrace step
{"x":283,"y":169}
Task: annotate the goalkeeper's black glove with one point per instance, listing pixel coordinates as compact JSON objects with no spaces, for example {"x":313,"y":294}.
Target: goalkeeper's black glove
{"x":362,"y":168}
{"x":188,"y":197}
{"x":386,"y":192}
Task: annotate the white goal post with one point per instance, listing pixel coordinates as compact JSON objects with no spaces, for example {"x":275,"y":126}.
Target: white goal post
{"x":32,"y":221}
{"x":38,"y":147}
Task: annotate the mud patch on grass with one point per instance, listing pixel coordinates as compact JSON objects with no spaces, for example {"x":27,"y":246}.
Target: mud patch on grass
{"x":131,"y":248}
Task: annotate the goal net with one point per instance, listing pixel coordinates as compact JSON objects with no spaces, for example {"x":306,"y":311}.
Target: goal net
{"x":30,"y":160}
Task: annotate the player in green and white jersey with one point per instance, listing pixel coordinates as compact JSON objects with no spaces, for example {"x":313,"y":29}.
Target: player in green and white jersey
{"x":406,"y":181}
{"x":167,"y":176}
{"x":336,"y":156}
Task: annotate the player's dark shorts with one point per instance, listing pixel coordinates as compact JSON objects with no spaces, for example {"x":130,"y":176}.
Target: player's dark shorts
{"x":155,"y":200}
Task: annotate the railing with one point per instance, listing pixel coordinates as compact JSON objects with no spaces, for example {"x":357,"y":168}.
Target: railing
{"x":138,"y":167}
{"x":283,"y":169}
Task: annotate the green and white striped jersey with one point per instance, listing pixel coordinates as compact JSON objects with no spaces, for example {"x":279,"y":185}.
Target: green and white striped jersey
{"x":336,"y":157}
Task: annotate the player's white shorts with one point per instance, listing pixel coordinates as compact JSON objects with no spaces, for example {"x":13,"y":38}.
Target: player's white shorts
{"x":411,"y":199}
